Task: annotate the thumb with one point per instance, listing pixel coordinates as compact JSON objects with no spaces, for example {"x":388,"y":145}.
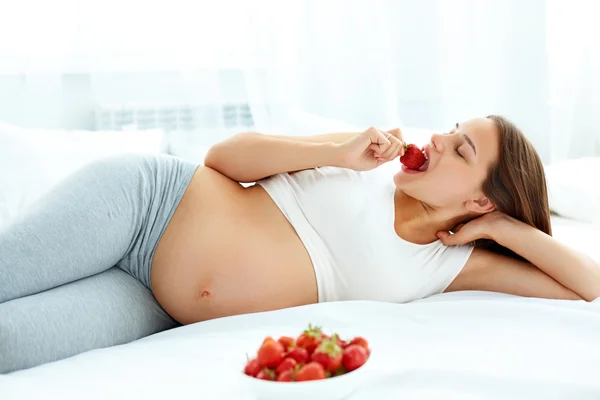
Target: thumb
{"x":449,"y":239}
{"x":374,"y":147}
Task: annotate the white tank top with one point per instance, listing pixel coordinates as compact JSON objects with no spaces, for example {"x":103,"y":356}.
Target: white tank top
{"x":345,"y":220}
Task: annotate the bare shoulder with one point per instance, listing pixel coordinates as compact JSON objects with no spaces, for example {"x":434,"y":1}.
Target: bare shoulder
{"x":476,"y":268}
{"x":489,"y":271}
{"x":481,"y":258}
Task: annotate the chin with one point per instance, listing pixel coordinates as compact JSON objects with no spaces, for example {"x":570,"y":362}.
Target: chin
{"x":404,"y":180}
{"x":403,"y":184}
{"x":398,"y":180}
{"x":412,"y":186}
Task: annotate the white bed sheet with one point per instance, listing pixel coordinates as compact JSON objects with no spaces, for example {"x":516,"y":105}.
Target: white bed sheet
{"x":469,"y":345}
{"x":460,"y":345}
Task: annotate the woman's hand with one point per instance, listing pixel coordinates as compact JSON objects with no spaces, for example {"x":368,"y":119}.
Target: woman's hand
{"x":478,"y":228}
{"x":371,"y":148}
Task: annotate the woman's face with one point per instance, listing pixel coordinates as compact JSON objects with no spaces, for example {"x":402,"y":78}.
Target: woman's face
{"x":458,"y":165}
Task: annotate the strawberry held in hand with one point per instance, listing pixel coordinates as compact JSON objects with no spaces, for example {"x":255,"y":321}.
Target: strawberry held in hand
{"x":413,"y":157}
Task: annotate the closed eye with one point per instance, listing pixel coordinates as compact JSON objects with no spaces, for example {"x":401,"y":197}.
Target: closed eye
{"x":460,"y":155}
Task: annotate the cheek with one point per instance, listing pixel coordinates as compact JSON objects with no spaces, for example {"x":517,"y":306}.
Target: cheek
{"x":441,"y":187}
{"x":445,"y":187}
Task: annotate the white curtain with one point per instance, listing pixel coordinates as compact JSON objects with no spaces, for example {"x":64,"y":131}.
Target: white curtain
{"x":426,"y":63}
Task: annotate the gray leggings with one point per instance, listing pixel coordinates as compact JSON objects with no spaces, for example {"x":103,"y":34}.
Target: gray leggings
{"x":75,"y":269}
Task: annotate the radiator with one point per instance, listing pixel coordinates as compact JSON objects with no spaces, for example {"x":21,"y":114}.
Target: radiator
{"x":173,"y":117}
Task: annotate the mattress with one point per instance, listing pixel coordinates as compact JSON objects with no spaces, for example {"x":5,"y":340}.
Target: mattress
{"x":464,"y":345}
{"x":456,"y":345}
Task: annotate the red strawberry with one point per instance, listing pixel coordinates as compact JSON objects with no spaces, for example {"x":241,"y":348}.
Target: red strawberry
{"x":310,"y":339}
{"x":311,"y":372}
{"x":361,"y":341}
{"x":267,"y":339}
{"x":413,"y":157}
{"x":354,"y":357}
{"x":299,"y":354}
{"x":286,"y":376}
{"x":286,"y":364}
{"x":328,"y":354}
{"x":340,"y":371}
{"x":266,"y":374}
{"x":286,"y":341}
{"x":270,"y":353}
{"x":341,"y":342}
{"x":252,"y":368}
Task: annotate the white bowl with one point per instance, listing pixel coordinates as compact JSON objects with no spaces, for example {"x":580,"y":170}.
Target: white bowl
{"x":335,"y":388}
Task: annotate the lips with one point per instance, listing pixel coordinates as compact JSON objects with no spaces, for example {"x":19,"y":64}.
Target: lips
{"x":424,"y":167}
{"x":425,"y":150}
{"x":426,"y":153}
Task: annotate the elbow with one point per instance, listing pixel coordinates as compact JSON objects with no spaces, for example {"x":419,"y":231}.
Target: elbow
{"x":211,"y":159}
{"x":231,"y":156}
{"x":593,"y":295}
{"x":588,"y":294}
{"x":589,"y":297}
{"x":224,"y":150}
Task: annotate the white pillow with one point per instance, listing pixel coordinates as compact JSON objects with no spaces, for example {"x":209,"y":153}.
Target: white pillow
{"x":33,"y":160}
{"x":574,"y":188}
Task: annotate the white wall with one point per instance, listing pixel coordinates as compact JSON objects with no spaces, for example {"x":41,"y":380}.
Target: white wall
{"x":69,"y":100}
{"x":436,"y":85}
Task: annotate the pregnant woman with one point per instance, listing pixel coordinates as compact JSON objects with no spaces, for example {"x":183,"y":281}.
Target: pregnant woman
{"x":131,"y":245}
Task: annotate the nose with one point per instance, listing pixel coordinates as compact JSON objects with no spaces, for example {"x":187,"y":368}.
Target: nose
{"x":438,"y":141}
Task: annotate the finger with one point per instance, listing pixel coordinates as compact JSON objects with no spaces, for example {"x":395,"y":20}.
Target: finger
{"x":380,"y":142}
{"x":376,"y":149}
{"x":457,"y":228}
{"x":449,"y":239}
{"x":378,"y":136}
{"x":394,"y":149}
{"x":397,"y":133}
{"x":380,"y":160}
{"x":387,"y":153}
{"x":392,"y":152}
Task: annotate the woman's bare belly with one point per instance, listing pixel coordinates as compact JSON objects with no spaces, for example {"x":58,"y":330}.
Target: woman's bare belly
{"x":229,"y":250}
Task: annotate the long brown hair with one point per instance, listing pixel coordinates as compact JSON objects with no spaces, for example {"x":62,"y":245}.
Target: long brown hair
{"x":516,"y":184}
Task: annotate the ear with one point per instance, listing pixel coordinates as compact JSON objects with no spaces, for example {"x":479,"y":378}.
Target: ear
{"x":482,"y":205}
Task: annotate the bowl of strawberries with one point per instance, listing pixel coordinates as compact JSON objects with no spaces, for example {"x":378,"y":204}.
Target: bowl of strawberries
{"x":312,"y":364}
